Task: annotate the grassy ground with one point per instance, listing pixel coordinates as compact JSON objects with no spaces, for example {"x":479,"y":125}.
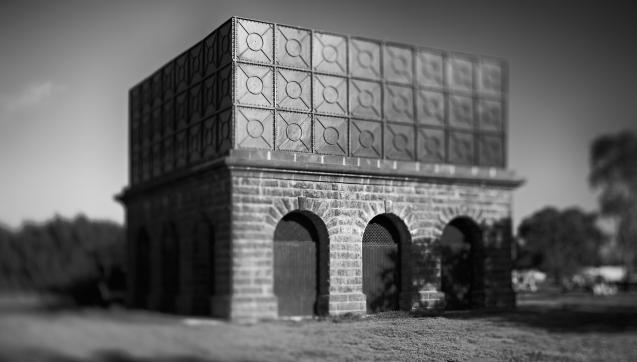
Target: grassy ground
{"x":576,"y":327}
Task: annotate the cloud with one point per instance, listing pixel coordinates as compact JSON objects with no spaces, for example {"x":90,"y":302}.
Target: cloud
{"x":32,"y":96}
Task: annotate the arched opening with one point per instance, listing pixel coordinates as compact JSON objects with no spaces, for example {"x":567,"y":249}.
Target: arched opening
{"x":462,"y":274}
{"x":169,"y":268}
{"x":300,"y":252}
{"x":142,"y":269}
{"x":203,"y":267}
{"x":384,"y":263}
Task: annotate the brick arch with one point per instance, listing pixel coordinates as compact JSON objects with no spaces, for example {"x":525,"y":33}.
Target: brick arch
{"x":282,"y":207}
{"x":448,"y":214}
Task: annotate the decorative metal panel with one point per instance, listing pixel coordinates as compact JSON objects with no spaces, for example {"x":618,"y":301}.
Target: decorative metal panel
{"x":431,"y":145}
{"x":210,"y":53}
{"x":429,"y":69}
{"x":181,"y":110}
{"x":156,"y":88}
{"x":181,"y":72}
{"x":254,"y":41}
{"x":196,"y":59}
{"x":168,"y":82}
{"x":491,"y":150}
{"x":224,"y":131}
{"x":156,"y":159}
{"x":330,"y":53}
{"x":155,"y":123}
{"x":460,"y":73}
{"x":168,"y":116}
{"x":366,"y":138}
{"x":397,"y":64}
{"x":224,"y":81}
{"x":364,"y":59}
{"x":254,"y":128}
{"x":490,"y":115}
{"x":461,"y":112}
{"x":209,"y":96}
{"x":254,"y":85}
{"x":430,"y":108}
{"x":330,"y":94}
{"x":209,"y":137}
{"x":399,"y":103}
{"x":294,"y":132}
{"x":168,"y":154}
{"x":365,"y":99}
{"x":294,"y":89}
{"x":330,"y":135}
{"x":224,"y":44}
{"x":490,"y":77}
{"x":293,"y":46}
{"x":461,"y":148}
{"x":399,"y":142}
{"x":194,"y":143}
{"x":181,"y":148}
{"x":194,"y":104}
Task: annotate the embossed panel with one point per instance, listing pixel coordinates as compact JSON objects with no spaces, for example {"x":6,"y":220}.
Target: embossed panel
{"x":168,"y":154}
{"x":399,"y":103}
{"x":294,"y":132}
{"x":490,"y":77}
{"x":293,"y":47}
{"x":224,"y":131}
{"x":181,"y":110}
{"x":364,"y":59}
{"x":224,"y":44}
{"x":168,"y":81}
{"x":330,"y":53}
{"x":146,"y":128}
{"x":181,"y":72}
{"x":430,"y":108}
{"x":461,"y":112}
{"x":460,"y":73}
{"x":294,"y":89}
{"x":181,"y":148}
{"x":429,"y":68}
{"x":209,"y":137}
{"x":156,"y":159}
{"x":194,"y":143}
{"x":365,"y":98}
{"x":490,"y":115}
{"x":399,"y":141}
{"x":330,"y":135}
{"x":254,"y":128}
{"x":156,"y":95}
{"x":254,"y":85}
{"x":330,"y":94}
{"x":155,"y":124}
{"x":168,"y":116}
{"x":491,"y":151}
{"x":210,"y":53}
{"x":254,"y":41}
{"x":194,"y":103}
{"x":209,"y":95}
{"x":366,"y":138}
{"x":461,"y":148}
{"x":224,"y":82}
{"x":196,"y":63}
{"x":431,"y":145}
{"x":147,"y":97}
{"x":397,"y":64}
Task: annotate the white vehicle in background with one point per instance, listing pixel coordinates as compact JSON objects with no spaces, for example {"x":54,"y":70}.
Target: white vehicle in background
{"x":602,"y":280}
{"x":527,"y":280}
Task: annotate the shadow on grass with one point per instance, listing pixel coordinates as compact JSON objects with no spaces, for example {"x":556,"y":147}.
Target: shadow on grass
{"x":37,"y":355}
{"x":567,"y":313}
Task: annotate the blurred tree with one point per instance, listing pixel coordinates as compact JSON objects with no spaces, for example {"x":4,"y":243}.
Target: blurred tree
{"x":613,"y":162}
{"x":559,"y":242}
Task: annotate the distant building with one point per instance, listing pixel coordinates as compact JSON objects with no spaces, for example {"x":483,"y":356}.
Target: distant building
{"x":277,"y":170}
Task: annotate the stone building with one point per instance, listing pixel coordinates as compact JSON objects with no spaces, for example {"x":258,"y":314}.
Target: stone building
{"x":277,"y":170}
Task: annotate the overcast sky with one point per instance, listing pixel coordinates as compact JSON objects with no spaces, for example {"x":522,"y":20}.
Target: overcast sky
{"x":66,"y":67}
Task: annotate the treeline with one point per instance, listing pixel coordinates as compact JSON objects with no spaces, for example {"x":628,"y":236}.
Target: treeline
{"x":59,"y":254}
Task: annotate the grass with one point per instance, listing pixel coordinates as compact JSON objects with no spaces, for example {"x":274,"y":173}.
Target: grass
{"x":575,"y":327}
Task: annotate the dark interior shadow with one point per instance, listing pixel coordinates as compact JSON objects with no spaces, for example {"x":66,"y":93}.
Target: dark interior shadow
{"x":387,"y":298}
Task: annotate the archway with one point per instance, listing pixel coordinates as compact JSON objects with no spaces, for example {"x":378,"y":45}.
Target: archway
{"x":169,"y":268}
{"x":462,"y":274}
{"x":384,"y":262}
{"x":142,"y":269}
{"x":300,"y":252}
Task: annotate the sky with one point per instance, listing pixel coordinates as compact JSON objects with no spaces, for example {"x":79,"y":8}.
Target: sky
{"x":66,"y":67}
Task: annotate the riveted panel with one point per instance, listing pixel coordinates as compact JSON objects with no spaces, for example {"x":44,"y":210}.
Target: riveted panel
{"x":156,"y":89}
{"x":366,"y":138}
{"x":293,"y":47}
{"x":254,"y":85}
{"x":209,"y":105}
{"x":209,"y":137}
{"x":168,"y":117}
{"x":397,"y":64}
{"x":399,"y":103}
{"x":399,"y":142}
{"x":429,"y":69}
{"x":430,"y":108}
{"x":181,"y":72}
{"x":194,"y":143}
{"x":155,"y":123}
{"x":147,"y":97}
{"x":294,"y":132}
{"x":195,"y":111}
{"x":431,"y":145}
{"x":168,"y":153}
{"x":168,"y":81}
{"x":196,"y":63}
{"x":461,"y":112}
{"x":330,"y":53}
{"x":210,"y":53}
{"x":224,"y":44}
{"x":330,"y":135}
{"x":224,"y":83}
{"x":330,"y":94}
{"x":181,"y":148}
{"x":364,"y":59}
{"x":365,"y":99}
{"x":490,"y":115}
{"x":254,"y":128}
{"x":254,"y":41}
{"x":294,"y":89}
{"x":181,"y":110}
{"x":491,"y":150}
{"x":461,"y":147}
{"x":224,"y":131}
{"x":490,"y":77}
{"x":460,"y":73}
